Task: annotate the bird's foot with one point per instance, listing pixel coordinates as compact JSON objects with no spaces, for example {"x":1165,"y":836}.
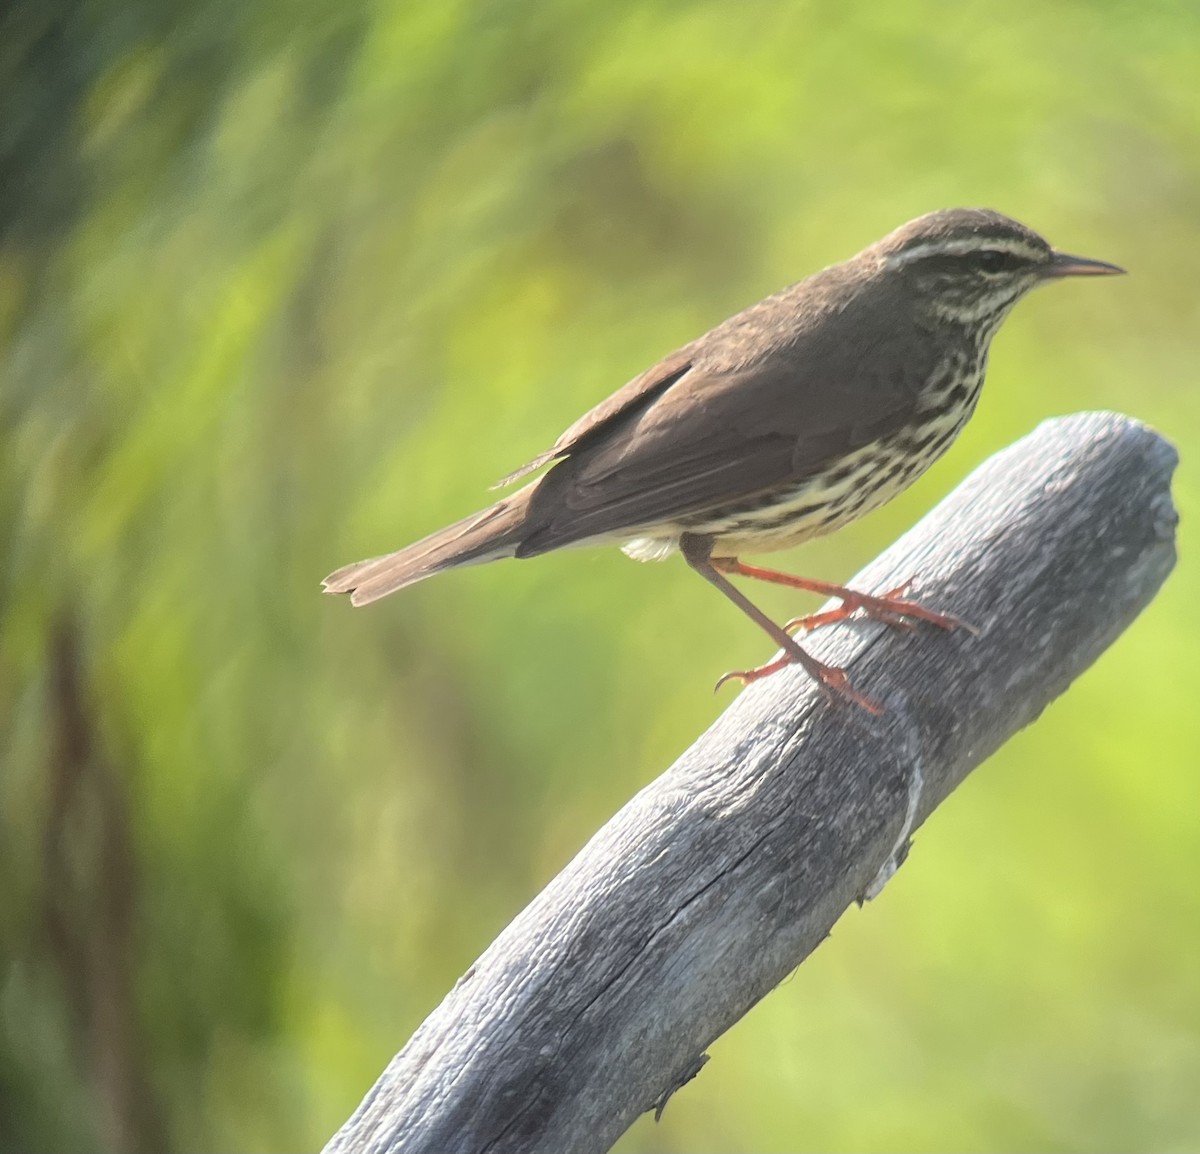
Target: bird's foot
{"x":833,"y":681}
{"x":893,"y":608}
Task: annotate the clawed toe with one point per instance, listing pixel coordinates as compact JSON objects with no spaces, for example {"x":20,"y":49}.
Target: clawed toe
{"x":833,"y":681}
{"x":892,"y":608}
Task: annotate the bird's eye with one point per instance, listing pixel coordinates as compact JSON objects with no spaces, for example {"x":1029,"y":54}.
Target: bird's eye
{"x":993,"y":260}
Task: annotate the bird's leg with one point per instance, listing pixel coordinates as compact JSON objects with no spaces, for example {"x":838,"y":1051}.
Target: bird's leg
{"x":811,"y":621}
{"x":891,"y":607}
{"x":697,"y":551}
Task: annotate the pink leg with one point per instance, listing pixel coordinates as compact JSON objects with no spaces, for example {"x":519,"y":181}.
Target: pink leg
{"x":891,"y":607}
{"x":834,"y":681}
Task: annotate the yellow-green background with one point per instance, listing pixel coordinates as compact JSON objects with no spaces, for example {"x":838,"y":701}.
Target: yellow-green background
{"x":291,"y":282}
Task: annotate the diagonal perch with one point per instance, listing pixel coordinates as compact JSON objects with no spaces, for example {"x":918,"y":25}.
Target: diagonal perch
{"x":721,"y":876}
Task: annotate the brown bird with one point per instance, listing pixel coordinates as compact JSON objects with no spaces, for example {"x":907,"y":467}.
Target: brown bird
{"x":789,"y":420}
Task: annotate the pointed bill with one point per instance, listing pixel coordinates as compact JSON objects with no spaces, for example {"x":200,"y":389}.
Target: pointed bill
{"x":1064,"y":264}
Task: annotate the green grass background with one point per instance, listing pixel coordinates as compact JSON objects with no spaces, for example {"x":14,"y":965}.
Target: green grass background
{"x":288,"y":283}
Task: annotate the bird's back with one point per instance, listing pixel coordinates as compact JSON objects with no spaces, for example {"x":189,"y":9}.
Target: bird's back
{"x":776,"y":397}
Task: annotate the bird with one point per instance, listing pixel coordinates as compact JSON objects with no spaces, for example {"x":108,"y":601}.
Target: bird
{"x":788,"y":421}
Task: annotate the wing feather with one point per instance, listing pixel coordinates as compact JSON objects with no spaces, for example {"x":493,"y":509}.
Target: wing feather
{"x":720,"y":435}
{"x":630,"y":397}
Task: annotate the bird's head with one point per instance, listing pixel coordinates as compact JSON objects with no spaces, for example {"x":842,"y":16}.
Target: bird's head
{"x":972,"y":265}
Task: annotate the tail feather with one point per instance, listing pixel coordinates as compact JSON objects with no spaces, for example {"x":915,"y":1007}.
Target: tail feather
{"x":486,"y":536}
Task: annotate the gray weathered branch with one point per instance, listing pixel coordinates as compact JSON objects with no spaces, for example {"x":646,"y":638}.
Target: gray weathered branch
{"x":722,"y":875}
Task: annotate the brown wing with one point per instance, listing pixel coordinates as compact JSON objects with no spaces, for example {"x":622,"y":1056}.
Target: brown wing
{"x":719,"y":435}
{"x":628,"y":398}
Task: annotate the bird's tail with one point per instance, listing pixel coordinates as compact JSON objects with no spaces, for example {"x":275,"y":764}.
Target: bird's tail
{"x":486,"y":536}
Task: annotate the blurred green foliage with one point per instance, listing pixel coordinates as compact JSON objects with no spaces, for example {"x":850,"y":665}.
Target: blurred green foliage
{"x":288,"y":283}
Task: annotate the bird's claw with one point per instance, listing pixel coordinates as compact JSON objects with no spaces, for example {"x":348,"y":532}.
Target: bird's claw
{"x":834,"y":682}
{"x":892,"y":608}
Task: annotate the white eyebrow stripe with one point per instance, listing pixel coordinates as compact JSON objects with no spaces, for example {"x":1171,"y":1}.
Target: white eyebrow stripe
{"x":1014,"y":247}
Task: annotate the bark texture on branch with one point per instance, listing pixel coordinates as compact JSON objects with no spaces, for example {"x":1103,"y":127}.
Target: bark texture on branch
{"x":722,"y":875}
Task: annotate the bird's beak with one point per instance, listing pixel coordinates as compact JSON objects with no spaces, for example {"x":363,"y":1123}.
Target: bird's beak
{"x":1064,"y":264}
